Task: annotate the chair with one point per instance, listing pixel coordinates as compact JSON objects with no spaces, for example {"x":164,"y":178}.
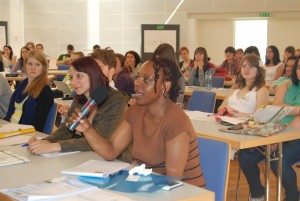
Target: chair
{"x":218,"y":82}
{"x":203,"y":101}
{"x":62,"y":67}
{"x":50,"y":121}
{"x":215,"y":159}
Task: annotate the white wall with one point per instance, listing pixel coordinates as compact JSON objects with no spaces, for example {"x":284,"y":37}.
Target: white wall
{"x":207,"y":23}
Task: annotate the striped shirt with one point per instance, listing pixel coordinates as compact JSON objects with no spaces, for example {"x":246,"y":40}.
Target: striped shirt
{"x":152,"y":150}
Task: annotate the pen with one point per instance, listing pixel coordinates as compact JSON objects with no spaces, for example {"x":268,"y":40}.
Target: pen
{"x":26,"y":144}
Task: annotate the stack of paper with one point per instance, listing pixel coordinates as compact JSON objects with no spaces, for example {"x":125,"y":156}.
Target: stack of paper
{"x":11,"y":129}
{"x":96,"y":168}
{"x":49,"y":191}
{"x":9,"y":158}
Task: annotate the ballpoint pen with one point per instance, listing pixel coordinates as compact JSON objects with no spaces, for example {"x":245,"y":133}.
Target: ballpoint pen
{"x":26,"y":144}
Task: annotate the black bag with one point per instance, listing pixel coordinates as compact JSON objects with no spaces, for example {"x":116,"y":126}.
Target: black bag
{"x":57,"y":93}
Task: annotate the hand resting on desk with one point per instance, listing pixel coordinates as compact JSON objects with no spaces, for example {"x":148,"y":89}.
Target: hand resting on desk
{"x":42,"y":146}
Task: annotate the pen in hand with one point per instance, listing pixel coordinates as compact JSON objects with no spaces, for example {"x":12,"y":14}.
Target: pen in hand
{"x":26,"y":144}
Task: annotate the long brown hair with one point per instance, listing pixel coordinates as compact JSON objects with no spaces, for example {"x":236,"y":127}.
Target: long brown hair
{"x":259,"y":82}
{"x":35,"y":87}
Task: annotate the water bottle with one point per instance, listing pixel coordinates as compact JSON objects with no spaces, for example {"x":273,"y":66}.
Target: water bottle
{"x":208,"y":80}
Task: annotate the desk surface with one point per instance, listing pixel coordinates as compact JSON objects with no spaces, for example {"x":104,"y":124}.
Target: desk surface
{"x":42,"y":168}
{"x":57,"y":72}
{"x":221,"y":93}
{"x":209,"y":128}
{"x":23,"y":77}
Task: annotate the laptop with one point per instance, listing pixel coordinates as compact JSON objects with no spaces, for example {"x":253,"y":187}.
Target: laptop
{"x":62,"y":86}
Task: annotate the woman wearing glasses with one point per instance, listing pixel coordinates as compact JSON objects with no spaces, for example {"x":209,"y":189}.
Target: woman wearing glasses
{"x":162,"y":135}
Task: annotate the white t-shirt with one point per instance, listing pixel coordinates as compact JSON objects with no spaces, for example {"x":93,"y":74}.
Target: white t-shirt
{"x":246,"y":104}
{"x":271,"y":71}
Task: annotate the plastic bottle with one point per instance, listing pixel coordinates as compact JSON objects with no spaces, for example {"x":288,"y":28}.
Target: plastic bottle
{"x":208,"y":80}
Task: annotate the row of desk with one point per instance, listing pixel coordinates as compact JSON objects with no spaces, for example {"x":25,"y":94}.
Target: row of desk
{"x":221,"y":93}
{"x":51,"y":75}
{"x":42,"y":168}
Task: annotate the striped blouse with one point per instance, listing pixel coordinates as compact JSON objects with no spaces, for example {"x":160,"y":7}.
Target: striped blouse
{"x":152,"y":150}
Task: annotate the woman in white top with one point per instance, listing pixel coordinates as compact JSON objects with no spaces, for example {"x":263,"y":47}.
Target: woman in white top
{"x":274,"y":66}
{"x":249,"y":92}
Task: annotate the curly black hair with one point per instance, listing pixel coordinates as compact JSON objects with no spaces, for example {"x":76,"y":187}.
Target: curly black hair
{"x":170,"y":73}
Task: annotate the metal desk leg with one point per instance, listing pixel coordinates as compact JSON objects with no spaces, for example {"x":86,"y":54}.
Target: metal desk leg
{"x":267,"y":171}
{"x":279,"y":176}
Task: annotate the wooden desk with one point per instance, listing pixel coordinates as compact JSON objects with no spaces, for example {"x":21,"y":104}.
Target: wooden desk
{"x":42,"y":168}
{"x":208,"y":128}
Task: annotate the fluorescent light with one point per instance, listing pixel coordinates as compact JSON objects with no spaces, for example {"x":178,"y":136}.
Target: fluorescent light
{"x":174,"y":11}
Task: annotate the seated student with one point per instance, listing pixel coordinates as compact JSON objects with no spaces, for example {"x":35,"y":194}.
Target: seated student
{"x":239,"y":54}
{"x":162,"y":135}
{"x":9,"y":55}
{"x":185,"y":62}
{"x":106,"y":60}
{"x":287,"y":94}
{"x":20,"y":62}
{"x":285,"y":78}
{"x":40,"y":47}
{"x":166,"y":51}
{"x":5,"y":94}
{"x":273,"y":65}
{"x":201,"y":65}
{"x":64,"y":59}
{"x":249,"y":92}
{"x":33,"y":98}
{"x":85,"y":76}
{"x":288,"y":52}
{"x":122,"y":79}
{"x":254,"y":50}
{"x":30,"y":45}
{"x":132,"y":63}
{"x":63,"y":109}
{"x":230,"y":63}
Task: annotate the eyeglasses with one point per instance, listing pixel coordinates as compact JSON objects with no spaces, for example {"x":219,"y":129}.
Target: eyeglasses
{"x":144,"y":79}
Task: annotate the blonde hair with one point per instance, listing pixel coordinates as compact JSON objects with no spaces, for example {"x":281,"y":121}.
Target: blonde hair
{"x":35,"y":87}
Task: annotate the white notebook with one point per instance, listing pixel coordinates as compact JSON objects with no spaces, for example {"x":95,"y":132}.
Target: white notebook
{"x":96,"y":168}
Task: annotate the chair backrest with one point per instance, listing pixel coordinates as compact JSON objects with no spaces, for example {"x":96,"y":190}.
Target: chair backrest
{"x":203,"y":101}
{"x":218,"y":82}
{"x":215,"y":159}
{"x":50,"y":119}
{"x":62,"y":67}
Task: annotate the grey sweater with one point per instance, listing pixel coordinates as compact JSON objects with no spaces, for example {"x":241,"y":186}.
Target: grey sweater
{"x":5,"y":94}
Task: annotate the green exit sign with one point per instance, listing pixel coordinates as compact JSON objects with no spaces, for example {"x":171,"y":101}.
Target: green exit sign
{"x":265,"y":14}
{"x":160,"y":27}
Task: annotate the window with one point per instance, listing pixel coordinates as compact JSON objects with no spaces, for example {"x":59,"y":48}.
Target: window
{"x":252,"y":33}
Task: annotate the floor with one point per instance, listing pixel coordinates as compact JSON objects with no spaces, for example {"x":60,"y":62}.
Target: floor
{"x":243,"y":189}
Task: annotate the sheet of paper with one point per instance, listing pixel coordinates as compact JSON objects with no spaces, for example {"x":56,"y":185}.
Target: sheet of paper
{"x":15,"y":140}
{"x":51,"y":191}
{"x":97,"y":195}
{"x":56,"y":154}
{"x":197,"y":114}
{"x":96,"y":168}
{"x":9,"y":158}
{"x":232,"y":120}
{"x":13,"y":127}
